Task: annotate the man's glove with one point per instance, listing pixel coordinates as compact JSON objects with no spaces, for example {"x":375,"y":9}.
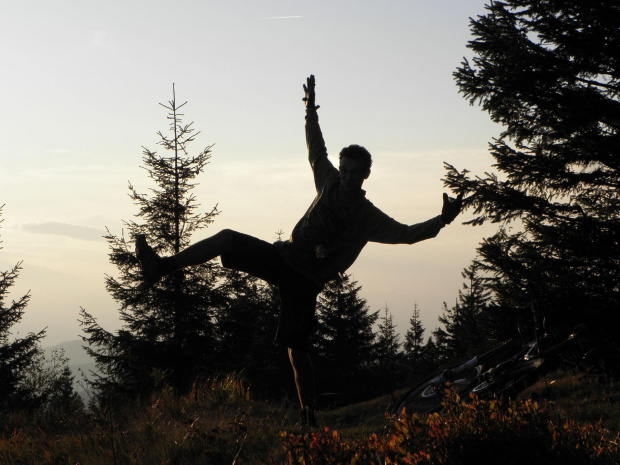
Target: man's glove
{"x":451,"y":208}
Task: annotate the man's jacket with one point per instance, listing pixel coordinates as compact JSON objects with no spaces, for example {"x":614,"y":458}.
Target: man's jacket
{"x":332,"y":233}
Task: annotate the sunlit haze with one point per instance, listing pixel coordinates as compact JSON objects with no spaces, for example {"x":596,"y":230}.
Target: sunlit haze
{"x":81,"y":87}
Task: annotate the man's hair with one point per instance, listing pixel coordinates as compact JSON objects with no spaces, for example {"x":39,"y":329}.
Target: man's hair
{"x":357,"y":152}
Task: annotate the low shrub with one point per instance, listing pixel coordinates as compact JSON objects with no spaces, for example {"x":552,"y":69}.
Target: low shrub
{"x":217,"y":422}
{"x":477,"y":432}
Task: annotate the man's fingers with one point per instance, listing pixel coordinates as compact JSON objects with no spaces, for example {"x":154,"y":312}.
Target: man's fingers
{"x":459,"y":198}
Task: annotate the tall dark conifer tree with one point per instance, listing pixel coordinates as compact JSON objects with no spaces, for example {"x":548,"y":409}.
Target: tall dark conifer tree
{"x":344,"y":341}
{"x":167,"y":333}
{"x":388,"y":351}
{"x":17,"y":354}
{"x":414,"y":338}
{"x":549,"y":72}
{"x":467,"y":326}
{"x":388,"y":344}
{"x":446,"y":337}
{"x":245,"y":327}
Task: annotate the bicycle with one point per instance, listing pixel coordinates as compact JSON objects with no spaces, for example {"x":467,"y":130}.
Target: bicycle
{"x":520,"y":366}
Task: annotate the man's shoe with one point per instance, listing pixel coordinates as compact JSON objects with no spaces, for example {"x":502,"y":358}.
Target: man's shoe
{"x":150,"y":262}
{"x":307,"y":417}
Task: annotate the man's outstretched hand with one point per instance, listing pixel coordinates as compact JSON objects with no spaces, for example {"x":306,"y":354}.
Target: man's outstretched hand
{"x":451,"y":208}
{"x":309,"y":97}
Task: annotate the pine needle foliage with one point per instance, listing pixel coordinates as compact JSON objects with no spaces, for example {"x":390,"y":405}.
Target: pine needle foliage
{"x":344,"y":343}
{"x":167,"y":329}
{"x":17,"y":354}
{"x":548,"y":72}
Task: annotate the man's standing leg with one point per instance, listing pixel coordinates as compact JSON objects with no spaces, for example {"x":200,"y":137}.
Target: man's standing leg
{"x":304,"y":380}
{"x":298,"y":295}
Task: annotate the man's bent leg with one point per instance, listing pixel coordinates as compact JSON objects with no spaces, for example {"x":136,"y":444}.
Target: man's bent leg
{"x":304,"y":379}
{"x":204,"y":250}
{"x":155,"y":267}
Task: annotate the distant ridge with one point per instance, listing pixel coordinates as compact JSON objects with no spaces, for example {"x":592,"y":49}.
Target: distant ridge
{"x":73,"y":351}
{"x":80,"y":363}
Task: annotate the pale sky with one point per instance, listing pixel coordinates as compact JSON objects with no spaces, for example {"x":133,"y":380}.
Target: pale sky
{"x":81,"y":84}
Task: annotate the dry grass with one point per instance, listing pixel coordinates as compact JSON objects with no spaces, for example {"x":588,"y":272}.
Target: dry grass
{"x":218,"y":422}
{"x":215,"y":423}
{"x":581,"y":397}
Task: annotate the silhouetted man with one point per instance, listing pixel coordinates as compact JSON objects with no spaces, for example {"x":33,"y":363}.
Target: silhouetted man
{"x":324,"y":244}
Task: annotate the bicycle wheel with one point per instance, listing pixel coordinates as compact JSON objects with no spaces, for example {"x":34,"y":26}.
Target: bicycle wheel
{"x":425,"y":398}
{"x":428,"y":396}
{"x":512,"y":381}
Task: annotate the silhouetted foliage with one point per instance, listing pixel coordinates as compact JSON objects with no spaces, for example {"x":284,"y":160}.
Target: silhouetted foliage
{"x":344,"y":341}
{"x":466,"y":327}
{"x":388,"y":349}
{"x":50,"y":384}
{"x":388,"y":345}
{"x":17,"y":354}
{"x":420,"y":359}
{"x":414,"y":338}
{"x":431,"y":356}
{"x":548,"y":72}
{"x":167,"y":331}
{"x":245,"y":327}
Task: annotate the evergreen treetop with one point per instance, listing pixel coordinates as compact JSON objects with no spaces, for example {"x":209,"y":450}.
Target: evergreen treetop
{"x":548,"y":72}
{"x":167,"y":328}
{"x":387,"y":344}
{"x":414,"y":337}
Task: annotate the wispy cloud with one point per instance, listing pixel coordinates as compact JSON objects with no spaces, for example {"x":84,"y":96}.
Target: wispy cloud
{"x":84,"y":233}
{"x":283,"y":17}
{"x":99,"y":38}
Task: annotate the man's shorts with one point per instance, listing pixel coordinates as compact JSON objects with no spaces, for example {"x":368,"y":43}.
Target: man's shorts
{"x":297,"y":292}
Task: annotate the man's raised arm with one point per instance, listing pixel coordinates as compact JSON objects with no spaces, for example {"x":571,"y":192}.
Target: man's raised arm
{"x":310,"y":97}
{"x":317,"y":153}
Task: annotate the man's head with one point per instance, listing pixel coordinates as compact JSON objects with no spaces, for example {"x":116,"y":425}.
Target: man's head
{"x":355,"y":163}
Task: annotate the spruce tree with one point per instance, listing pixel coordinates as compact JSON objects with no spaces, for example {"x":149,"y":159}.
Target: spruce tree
{"x":431,"y":357}
{"x":414,"y":338}
{"x":17,"y":354}
{"x":388,"y":345}
{"x":473,"y":301}
{"x":244,"y":328}
{"x":51,"y":385}
{"x":388,"y":350}
{"x":467,"y":328}
{"x":344,"y":339}
{"x":446,"y":337}
{"x":548,"y":72}
{"x":167,"y":332}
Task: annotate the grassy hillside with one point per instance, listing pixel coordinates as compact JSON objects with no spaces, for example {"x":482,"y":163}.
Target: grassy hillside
{"x":581,"y":397}
{"x":219,"y":423}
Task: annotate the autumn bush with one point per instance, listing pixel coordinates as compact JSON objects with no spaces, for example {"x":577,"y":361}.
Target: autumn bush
{"x":218,"y":422}
{"x":477,"y":432}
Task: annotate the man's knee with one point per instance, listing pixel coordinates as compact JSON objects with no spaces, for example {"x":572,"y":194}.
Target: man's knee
{"x":225,"y":238}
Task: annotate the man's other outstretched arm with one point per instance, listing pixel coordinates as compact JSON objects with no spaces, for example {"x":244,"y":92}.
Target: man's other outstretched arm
{"x":387,"y":230}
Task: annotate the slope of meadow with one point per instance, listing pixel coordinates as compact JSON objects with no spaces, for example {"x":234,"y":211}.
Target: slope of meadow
{"x":219,"y":423}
